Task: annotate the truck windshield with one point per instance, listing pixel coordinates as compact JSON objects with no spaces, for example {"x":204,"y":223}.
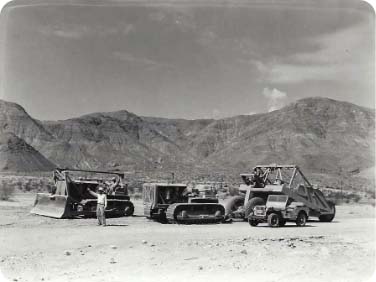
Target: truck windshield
{"x":277,"y":198}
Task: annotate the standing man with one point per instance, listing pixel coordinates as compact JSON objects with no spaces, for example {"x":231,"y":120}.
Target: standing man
{"x":101,"y":204}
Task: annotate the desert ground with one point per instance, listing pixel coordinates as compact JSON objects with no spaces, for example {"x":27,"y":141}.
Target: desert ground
{"x":36,"y":248}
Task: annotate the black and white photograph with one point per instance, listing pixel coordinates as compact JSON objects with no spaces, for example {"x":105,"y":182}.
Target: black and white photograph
{"x":187,"y":140}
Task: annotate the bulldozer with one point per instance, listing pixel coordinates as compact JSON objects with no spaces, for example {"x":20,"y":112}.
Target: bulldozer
{"x":173,"y":203}
{"x":70,"y":197}
{"x":275,"y":179}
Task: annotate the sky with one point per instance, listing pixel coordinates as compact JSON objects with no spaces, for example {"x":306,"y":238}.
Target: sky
{"x":176,"y":59}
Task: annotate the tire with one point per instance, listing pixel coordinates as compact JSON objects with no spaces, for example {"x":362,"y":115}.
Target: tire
{"x":251,"y":204}
{"x":253,"y":222}
{"x":233,"y":204}
{"x":282,"y":222}
{"x":328,"y":217}
{"x":129,"y":209}
{"x":273,"y":220}
{"x":301,"y":219}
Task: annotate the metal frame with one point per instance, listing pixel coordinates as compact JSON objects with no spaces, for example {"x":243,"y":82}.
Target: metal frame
{"x":61,"y":170}
{"x":311,"y":197}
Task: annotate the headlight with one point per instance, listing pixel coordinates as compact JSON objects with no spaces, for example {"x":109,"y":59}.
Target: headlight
{"x":80,"y":208}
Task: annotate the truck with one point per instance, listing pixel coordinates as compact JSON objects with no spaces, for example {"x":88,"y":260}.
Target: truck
{"x":278,"y":210}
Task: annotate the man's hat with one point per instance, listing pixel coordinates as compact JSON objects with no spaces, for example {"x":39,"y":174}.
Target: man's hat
{"x":100,"y":189}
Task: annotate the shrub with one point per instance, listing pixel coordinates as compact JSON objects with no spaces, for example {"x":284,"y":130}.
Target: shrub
{"x":27,"y":185}
{"x":354,"y":197}
{"x":6,"y":191}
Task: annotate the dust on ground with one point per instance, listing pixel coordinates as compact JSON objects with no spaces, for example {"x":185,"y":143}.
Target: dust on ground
{"x":36,"y":248}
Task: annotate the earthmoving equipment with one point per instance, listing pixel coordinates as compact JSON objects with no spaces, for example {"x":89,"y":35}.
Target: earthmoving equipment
{"x":278,"y":180}
{"x":278,"y":210}
{"x":70,"y":197}
{"x":172,"y":202}
{"x":205,"y":190}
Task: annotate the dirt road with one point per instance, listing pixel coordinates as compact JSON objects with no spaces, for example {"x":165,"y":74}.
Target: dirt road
{"x":34,"y":248}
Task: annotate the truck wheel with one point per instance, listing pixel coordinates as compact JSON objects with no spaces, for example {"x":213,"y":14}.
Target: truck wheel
{"x":273,"y":220}
{"x":233,"y":204}
{"x":252,"y":222}
{"x":129,"y":210}
{"x":328,"y":217}
{"x":282,"y":222}
{"x":301,"y":219}
{"x":256,"y":201}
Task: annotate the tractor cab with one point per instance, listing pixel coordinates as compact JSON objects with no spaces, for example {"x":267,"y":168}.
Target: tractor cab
{"x":263,"y":176}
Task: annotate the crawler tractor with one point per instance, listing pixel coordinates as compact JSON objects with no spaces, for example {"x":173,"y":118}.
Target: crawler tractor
{"x":172,"y":203}
{"x":278,"y":180}
{"x":70,"y":197}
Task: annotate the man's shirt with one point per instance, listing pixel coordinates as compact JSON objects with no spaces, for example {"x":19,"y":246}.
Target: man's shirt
{"x":102,"y":199}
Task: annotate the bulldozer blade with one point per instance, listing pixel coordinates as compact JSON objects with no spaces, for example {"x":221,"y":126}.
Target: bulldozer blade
{"x":50,"y":205}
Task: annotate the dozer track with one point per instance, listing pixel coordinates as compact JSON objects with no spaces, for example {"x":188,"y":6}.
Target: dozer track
{"x":195,"y":213}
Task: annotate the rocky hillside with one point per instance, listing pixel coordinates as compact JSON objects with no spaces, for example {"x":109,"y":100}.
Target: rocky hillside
{"x":14,"y":118}
{"x":119,"y":140}
{"x":319,"y":134}
{"x":17,"y":155}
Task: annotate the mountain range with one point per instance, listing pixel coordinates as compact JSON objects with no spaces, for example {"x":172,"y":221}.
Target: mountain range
{"x":319,"y":134}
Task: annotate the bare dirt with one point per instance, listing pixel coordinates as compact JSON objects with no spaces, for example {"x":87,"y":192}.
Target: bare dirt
{"x":35,"y":248}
